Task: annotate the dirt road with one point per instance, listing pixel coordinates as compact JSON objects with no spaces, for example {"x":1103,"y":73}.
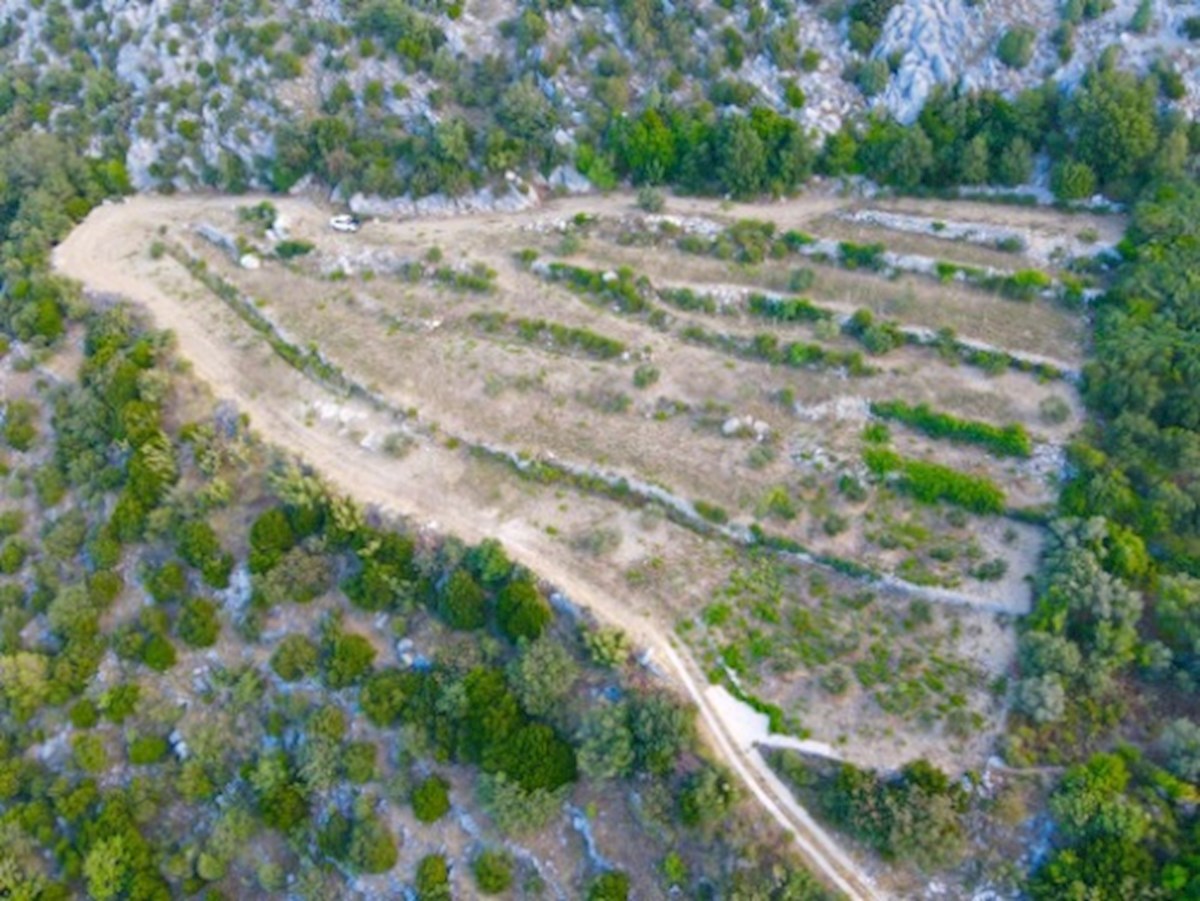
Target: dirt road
{"x":108,"y":253}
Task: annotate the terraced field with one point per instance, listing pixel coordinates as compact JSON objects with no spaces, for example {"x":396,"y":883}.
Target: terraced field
{"x":683,"y":419}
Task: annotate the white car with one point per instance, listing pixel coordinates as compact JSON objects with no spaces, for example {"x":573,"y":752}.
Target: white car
{"x":344,"y":223}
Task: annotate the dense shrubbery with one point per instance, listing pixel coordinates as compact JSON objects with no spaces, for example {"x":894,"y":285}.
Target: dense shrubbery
{"x":521,"y":610}
{"x":1136,"y":471}
{"x":932,"y":482}
{"x":620,"y":287}
{"x":915,"y":817}
{"x":877,"y":337}
{"x":1006,"y":441}
{"x":1128,"y":552}
{"x":1110,"y":132}
{"x":699,"y":151}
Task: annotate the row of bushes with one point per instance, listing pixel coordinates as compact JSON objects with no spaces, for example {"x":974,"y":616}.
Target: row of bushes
{"x":564,"y":336}
{"x":796,"y":309}
{"x":932,"y":482}
{"x":303,"y":360}
{"x":479,"y":278}
{"x":748,"y":241}
{"x":1006,"y":441}
{"x":768,"y":349}
{"x":1024,"y":284}
{"x":785,"y":545}
{"x":620,"y":286}
{"x":689,"y":300}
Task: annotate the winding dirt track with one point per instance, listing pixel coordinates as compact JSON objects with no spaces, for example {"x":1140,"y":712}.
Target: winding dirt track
{"x":108,"y":254}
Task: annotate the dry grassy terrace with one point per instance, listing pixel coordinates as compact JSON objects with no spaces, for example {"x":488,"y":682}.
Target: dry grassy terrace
{"x":426,"y":347}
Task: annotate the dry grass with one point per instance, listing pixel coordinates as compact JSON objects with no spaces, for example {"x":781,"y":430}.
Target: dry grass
{"x":414,"y":343}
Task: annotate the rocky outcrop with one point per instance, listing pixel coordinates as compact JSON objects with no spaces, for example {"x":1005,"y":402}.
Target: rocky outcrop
{"x":932,"y":39}
{"x":516,"y":198}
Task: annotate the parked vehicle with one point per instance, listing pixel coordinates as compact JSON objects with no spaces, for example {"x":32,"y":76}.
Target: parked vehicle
{"x":345,"y":223}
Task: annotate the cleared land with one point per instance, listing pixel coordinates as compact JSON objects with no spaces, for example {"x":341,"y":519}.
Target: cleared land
{"x":457,"y":360}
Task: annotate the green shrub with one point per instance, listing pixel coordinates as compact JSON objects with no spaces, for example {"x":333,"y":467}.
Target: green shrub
{"x":347,"y":660}
{"x":871,"y":76}
{"x":991,"y":570}
{"x":120,"y":702}
{"x":479,"y":278}
{"x":876,"y":433}
{"x":793,"y":95}
{"x":852,"y":489}
{"x":624,"y":290}
{"x":687,"y":299}
{"x":1054,"y":410}
{"x":711,"y":512}
{"x":11,"y":522}
{"x":610,"y":886}
{"x":1025,"y":284}
{"x":147,"y":749}
{"x":787,"y":310}
{"x":168,"y":583}
{"x":493,"y":871}
{"x":861,"y":256}
{"x":463,"y":603}
{"x":540,"y":331}
{"x":198,"y":545}
{"x":158,"y":653}
{"x":650,"y":199}
{"x":13,"y":554}
{"x":89,"y":753}
{"x":777,"y":502}
{"x":386,"y":694}
{"x":433,"y":879}
{"x":1073,"y":180}
{"x":801,"y":279}
{"x":290,"y":249}
{"x":431,"y":799}
{"x":866,"y":22}
{"x":915,"y":816}
{"x":877,"y":337}
{"x":372,"y":848}
{"x":20,"y":425}
{"x":1015,"y":48}
{"x":84,"y":714}
{"x":271,"y":537}
{"x":103,"y":587}
{"x":521,"y":610}
{"x":609,"y":647}
{"x":932,"y":482}
{"x":198,"y":624}
{"x":358,"y":761}
{"x":296,"y":658}
{"x":1143,"y":16}
{"x":645,"y":375}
